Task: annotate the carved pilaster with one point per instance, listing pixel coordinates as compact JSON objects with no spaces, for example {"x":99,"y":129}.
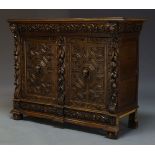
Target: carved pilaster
{"x":114,"y":70}
{"x":61,"y":70}
{"x":17,"y":59}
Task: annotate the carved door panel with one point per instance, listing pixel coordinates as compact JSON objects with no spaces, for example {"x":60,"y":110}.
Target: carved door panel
{"x":40,"y":73}
{"x":86,"y":72}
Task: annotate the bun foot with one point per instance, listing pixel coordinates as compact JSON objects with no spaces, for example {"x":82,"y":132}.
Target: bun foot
{"x":17,"y":116}
{"x":112,"y":135}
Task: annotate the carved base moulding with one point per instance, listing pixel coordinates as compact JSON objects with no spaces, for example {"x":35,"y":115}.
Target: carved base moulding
{"x":78,"y":71}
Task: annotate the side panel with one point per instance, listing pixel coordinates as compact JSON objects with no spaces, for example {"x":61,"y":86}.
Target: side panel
{"x":128,"y":84}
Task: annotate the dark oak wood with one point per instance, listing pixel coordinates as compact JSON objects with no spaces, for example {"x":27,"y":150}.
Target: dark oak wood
{"x":16,"y":115}
{"x":78,"y":71}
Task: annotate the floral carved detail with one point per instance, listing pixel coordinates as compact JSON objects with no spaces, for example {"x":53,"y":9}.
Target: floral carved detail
{"x":17,"y":60}
{"x":90,"y":116}
{"x":61,"y":70}
{"x":114,"y":70}
{"x":48,"y":109}
{"x":70,"y":27}
{"x":108,"y":27}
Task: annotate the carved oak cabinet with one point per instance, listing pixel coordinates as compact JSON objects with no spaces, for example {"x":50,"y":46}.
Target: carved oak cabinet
{"x":78,"y":71}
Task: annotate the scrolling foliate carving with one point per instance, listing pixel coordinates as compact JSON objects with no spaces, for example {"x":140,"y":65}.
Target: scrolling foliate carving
{"x":114,"y":70}
{"x":17,"y":60}
{"x":108,"y":27}
{"x":90,"y":116}
{"x":48,"y":109}
{"x":61,"y":70}
{"x":70,"y":27}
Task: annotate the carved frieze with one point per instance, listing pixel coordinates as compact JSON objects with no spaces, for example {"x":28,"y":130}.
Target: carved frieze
{"x":48,"y":109}
{"x":70,"y":27}
{"x":89,"y":116}
{"x":106,"y":27}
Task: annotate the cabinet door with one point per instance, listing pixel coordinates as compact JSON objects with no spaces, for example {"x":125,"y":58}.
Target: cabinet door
{"x":86,"y":71}
{"x":40,"y":69}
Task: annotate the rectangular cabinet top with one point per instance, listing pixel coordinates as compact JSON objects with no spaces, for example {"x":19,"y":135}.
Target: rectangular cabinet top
{"x":120,"y":19}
